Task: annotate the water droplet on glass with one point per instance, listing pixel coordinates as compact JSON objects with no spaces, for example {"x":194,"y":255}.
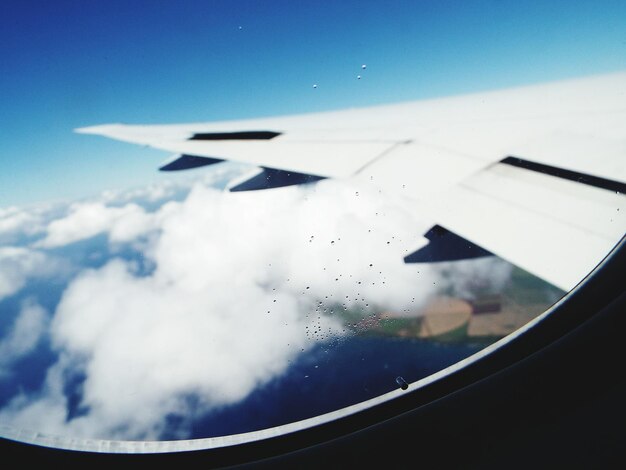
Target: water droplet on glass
{"x":358,"y":77}
{"x":315,"y":86}
{"x":402,"y":383}
{"x":363,"y":66}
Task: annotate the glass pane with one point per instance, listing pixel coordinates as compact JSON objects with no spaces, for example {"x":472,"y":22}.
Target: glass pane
{"x":189,"y":303}
{"x":180,"y":310}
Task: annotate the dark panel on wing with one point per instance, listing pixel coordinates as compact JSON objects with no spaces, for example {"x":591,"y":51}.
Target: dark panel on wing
{"x":186,"y":162}
{"x":584,"y":178}
{"x":271,"y":178}
{"x":445,"y":246}
{"x":242,"y":135}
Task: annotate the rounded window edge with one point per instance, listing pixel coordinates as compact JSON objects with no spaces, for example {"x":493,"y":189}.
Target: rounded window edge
{"x":595,"y":291}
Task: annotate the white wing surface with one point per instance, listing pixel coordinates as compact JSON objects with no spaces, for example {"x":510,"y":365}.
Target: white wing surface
{"x":535,"y":175}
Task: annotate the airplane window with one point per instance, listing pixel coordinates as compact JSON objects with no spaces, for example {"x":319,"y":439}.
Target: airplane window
{"x":278,"y":270}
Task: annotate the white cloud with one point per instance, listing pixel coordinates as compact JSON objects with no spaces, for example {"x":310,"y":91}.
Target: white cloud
{"x":323,"y":238}
{"x":14,"y":219}
{"x":147,"y":343}
{"x":16,"y":222}
{"x":123,"y":214}
{"x":24,"y":335}
{"x":151,"y":193}
{"x":88,"y":219}
{"x":17,"y":265}
{"x":237,"y":280}
{"x":177,"y":185}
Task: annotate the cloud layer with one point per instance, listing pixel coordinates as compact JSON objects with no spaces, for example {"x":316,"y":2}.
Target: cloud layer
{"x":239,"y":282}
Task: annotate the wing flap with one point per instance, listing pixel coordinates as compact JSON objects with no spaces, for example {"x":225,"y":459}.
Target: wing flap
{"x":556,"y":229}
{"x":186,"y":162}
{"x":444,"y":245}
{"x":269,"y":178}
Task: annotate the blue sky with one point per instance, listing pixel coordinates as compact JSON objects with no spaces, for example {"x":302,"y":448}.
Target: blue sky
{"x":67,"y":64}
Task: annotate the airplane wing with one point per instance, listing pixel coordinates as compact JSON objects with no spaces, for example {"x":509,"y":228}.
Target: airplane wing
{"x":535,"y":174}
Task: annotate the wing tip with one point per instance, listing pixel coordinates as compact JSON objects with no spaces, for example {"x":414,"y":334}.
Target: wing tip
{"x":100,"y":129}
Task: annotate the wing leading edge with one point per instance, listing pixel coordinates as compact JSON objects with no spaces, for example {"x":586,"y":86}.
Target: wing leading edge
{"x":535,"y":175}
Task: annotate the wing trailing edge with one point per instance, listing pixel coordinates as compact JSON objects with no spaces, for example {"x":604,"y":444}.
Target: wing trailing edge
{"x":269,"y":178}
{"x":445,"y":246}
{"x":186,"y":162}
